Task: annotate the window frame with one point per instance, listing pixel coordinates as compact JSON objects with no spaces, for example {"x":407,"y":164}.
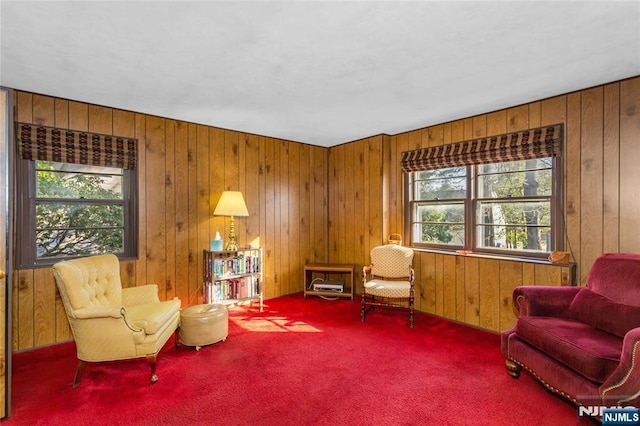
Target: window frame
{"x":26,"y":256}
{"x":471,"y":203}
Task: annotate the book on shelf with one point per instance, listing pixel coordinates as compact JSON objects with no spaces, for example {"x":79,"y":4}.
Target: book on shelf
{"x":237,"y":288}
{"x":237,"y":265}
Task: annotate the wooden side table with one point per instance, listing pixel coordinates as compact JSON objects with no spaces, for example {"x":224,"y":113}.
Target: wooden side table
{"x":327,"y":269}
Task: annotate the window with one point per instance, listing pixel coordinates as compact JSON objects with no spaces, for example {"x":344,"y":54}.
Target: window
{"x":501,"y":207}
{"x":73,"y":210}
{"x":440,"y":207}
{"x":84,"y":206}
{"x":499,"y":196}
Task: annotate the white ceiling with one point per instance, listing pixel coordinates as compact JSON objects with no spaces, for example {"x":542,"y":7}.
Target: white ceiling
{"x":322,"y":73}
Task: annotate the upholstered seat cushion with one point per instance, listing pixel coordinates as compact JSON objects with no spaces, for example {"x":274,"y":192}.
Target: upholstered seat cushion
{"x":385,"y":288}
{"x":585,"y":349}
{"x":153,"y":316}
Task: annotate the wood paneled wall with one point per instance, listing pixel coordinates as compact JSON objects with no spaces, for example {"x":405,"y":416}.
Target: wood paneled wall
{"x":183,"y":169}
{"x":602,"y":200}
{"x":313,"y":204}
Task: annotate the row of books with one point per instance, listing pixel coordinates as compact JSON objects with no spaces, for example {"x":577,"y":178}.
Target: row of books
{"x":238,"y":265}
{"x":232,"y":289}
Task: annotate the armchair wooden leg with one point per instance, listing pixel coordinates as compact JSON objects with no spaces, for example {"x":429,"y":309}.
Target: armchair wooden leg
{"x":363,"y":313}
{"x":512,"y":368}
{"x":411,"y":316}
{"x":152,"y":360}
{"x":79,"y":371}
{"x":411,"y":299}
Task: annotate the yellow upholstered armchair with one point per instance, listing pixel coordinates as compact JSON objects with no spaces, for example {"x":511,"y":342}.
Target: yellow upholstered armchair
{"x":110,"y":322}
{"x":388,"y":281}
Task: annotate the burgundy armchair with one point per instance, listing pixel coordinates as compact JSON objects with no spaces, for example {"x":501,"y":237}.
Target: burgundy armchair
{"x":582,"y":342}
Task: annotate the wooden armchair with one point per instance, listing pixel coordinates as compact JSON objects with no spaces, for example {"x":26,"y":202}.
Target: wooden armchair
{"x":388,"y":281}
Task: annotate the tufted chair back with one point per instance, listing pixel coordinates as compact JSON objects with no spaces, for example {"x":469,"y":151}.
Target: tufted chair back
{"x":90,"y":282}
{"x":391,"y":261}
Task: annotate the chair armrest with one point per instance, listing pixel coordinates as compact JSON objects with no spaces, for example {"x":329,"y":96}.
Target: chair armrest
{"x":365,"y":272}
{"x":140,"y":295}
{"x":98,"y":312}
{"x":544,"y":301}
{"x":623,"y":386}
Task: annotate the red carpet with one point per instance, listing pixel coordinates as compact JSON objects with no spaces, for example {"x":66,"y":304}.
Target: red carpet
{"x":300,"y":362}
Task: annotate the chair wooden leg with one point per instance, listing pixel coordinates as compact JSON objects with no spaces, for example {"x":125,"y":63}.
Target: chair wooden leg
{"x":79,"y":371}
{"x":512,"y":368}
{"x":153,"y":360}
{"x":411,"y":298}
{"x":411,"y":317}
{"x":363,"y":313}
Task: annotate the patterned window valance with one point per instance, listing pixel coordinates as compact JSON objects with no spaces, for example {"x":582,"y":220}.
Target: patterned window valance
{"x":72,"y":146}
{"x":524,"y":145}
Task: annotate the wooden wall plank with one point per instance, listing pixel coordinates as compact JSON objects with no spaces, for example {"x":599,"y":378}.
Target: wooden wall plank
{"x":591,"y":195}
{"x":349,"y":204}
{"x":472,"y":291}
{"x":374,"y":186}
{"x":360,"y":207}
{"x":517,"y":118}
{"x":450,"y":288}
{"x":284,"y":228}
{"x":203,"y":196}
{"x":270,"y":273}
{"x":79,"y":117}
{"x":43,"y":110}
{"x":304,"y":220}
{"x":496,"y":123}
{"x":140,"y":130}
{"x":457,"y":131}
{"x":510,"y":278}
{"x":460,"y":288}
{"x":100,"y":119}
{"x":249,"y":166}
{"x":489,"y":290}
{"x":427,"y":282}
{"x":294,"y":268}
{"x":217,"y":184}
{"x":479,"y":126}
{"x":572,"y":186}
{"x":553,"y":111}
{"x":439,"y":280}
{"x":611,"y":170}
{"x":195,"y":268}
{"x":44,"y":295}
{"x":319,"y":205}
{"x":186,"y":291}
{"x":629,"y":161}
{"x":26,"y":312}
{"x":155,"y":177}
{"x":170,"y":225}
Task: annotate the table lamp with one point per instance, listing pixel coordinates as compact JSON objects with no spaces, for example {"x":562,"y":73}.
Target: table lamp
{"x":231,"y":204}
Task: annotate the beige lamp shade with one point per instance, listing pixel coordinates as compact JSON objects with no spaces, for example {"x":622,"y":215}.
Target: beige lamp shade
{"x":231,"y":204}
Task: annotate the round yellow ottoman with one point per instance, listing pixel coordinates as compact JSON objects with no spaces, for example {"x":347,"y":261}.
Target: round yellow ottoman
{"x":202,"y":325}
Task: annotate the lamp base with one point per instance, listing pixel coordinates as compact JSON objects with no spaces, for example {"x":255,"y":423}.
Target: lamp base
{"x":231,"y":246}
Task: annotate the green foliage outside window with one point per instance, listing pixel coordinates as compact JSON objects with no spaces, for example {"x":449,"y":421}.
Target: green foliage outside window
{"x":79,"y":210}
{"x":512,"y":202}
